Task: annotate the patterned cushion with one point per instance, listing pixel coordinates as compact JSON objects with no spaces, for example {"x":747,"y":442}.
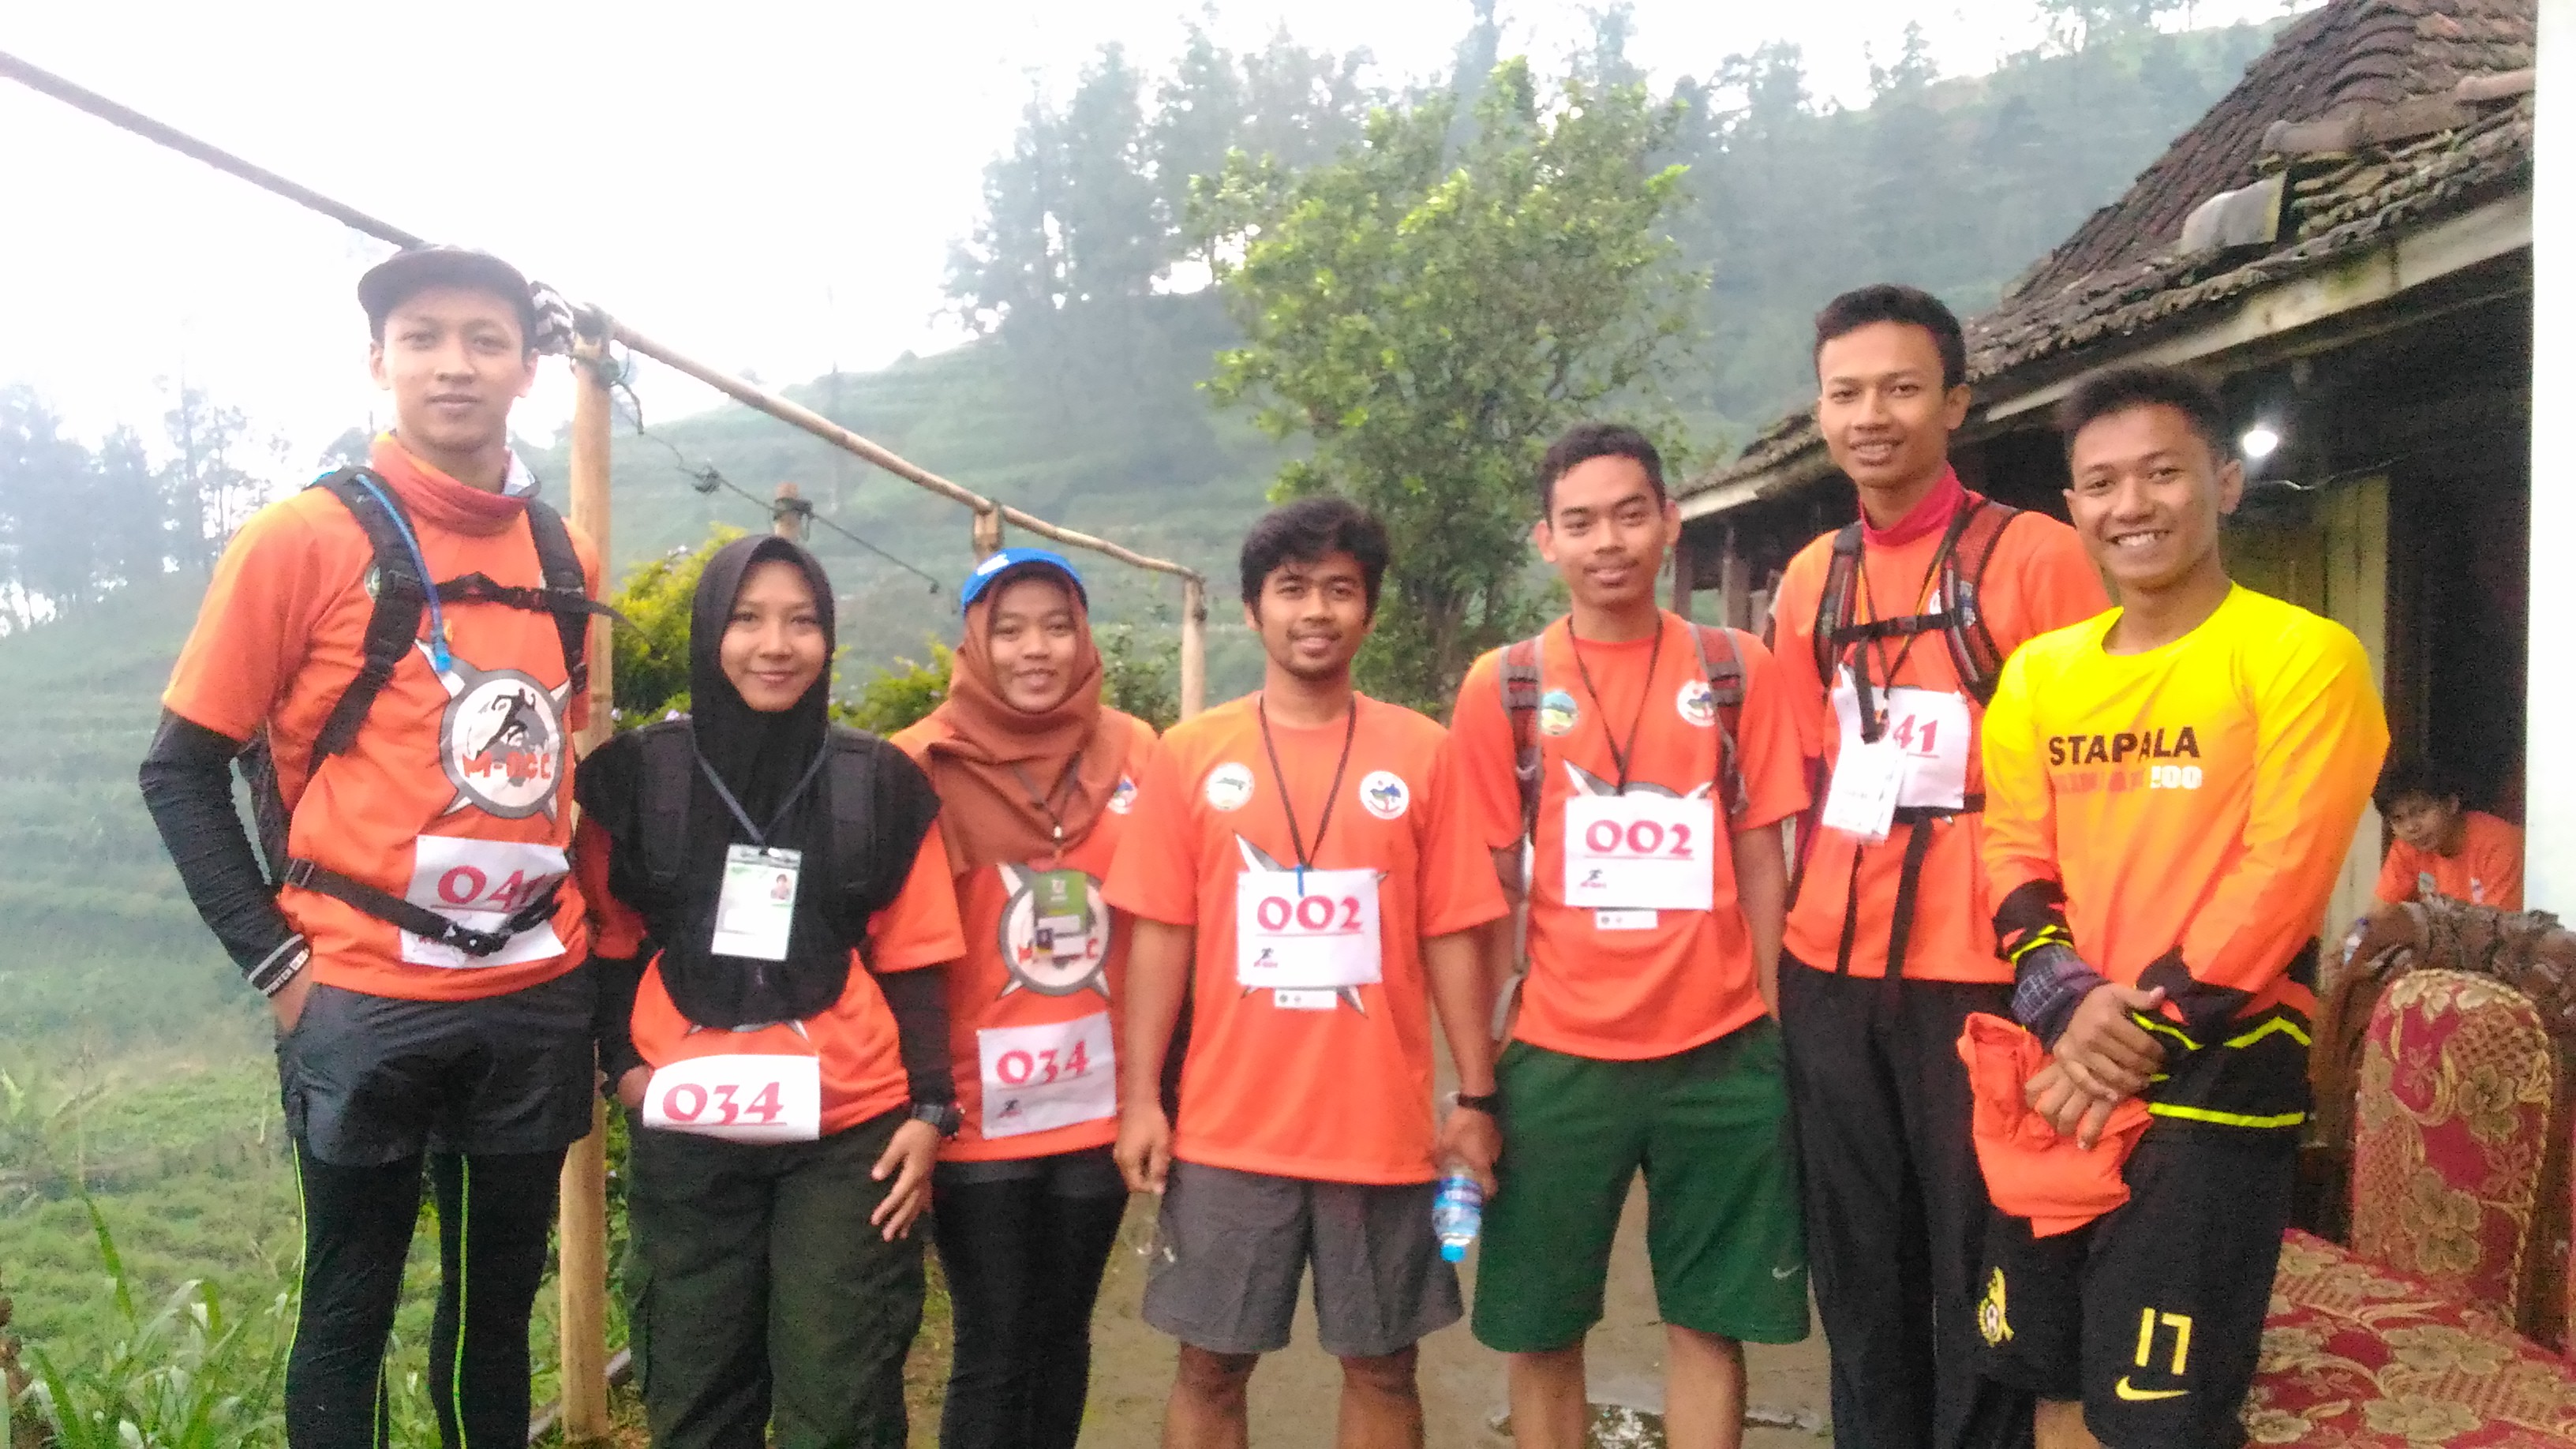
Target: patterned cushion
{"x":2355,"y":1355}
{"x":2457,"y":1080}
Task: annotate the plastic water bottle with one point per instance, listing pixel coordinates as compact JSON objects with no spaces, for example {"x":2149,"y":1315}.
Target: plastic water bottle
{"x":1456,"y":1213}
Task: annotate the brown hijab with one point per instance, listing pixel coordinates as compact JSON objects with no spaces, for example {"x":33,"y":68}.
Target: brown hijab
{"x":989,"y":760}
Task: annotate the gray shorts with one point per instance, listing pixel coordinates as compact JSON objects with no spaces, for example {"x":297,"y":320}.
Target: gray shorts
{"x":1232,"y":1247}
{"x":366,"y":1080}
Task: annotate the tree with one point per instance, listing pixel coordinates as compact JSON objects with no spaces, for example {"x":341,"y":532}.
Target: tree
{"x":1427,"y":325}
{"x":45,"y":510}
{"x":651,"y":677}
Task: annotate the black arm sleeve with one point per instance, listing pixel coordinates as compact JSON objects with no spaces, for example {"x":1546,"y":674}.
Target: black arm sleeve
{"x":919,"y":1001}
{"x":188,"y":787}
{"x":613,"y":1024}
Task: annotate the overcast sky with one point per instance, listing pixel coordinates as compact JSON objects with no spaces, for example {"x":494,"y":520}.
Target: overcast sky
{"x":763,"y":184}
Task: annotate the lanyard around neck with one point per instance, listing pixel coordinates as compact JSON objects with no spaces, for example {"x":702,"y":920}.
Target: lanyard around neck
{"x":1045,"y":804}
{"x":1620,"y":757}
{"x":1287,"y":807}
{"x":760,"y":837}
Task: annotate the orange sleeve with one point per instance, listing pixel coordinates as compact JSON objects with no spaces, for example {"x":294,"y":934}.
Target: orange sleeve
{"x":1156,"y":873}
{"x":2501,"y":867}
{"x":1768,"y":750}
{"x":615,"y":930}
{"x":1483,"y":768}
{"x":921,"y":927}
{"x":2319,"y":740}
{"x":2054,"y":583}
{"x":2397,"y":875}
{"x":251,"y":631}
{"x":1792,"y":642}
{"x":1459,"y":890}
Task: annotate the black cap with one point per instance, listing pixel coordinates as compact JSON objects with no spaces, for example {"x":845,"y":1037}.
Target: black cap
{"x":416,"y":269}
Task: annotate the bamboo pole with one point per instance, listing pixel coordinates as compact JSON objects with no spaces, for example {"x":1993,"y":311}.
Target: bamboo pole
{"x":842,"y":438}
{"x":582,"y":1205}
{"x":788,"y":513}
{"x":1193,"y":645}
{"x":987,"y":535}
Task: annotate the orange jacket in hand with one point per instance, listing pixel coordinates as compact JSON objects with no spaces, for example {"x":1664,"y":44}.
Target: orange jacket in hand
{"x":2031,"y":1171}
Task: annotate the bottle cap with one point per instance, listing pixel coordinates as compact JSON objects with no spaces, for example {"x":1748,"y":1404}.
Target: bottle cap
{"x":1453,"y":1252}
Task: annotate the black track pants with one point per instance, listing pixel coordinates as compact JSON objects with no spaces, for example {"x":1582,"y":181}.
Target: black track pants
{"x":1023,"y":1268}
{"x":1895,"y":1205}
{"x":494,"y":1211}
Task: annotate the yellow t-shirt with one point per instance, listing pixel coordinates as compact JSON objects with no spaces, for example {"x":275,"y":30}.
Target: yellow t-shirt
{"x":2193,"y":802}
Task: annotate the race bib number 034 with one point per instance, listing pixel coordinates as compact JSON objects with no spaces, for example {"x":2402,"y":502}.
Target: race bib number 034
{"x":1639,"y":852}
{"x":1323,"y":938}
{"x":741,"y":1097}
{"x":1039,"y":1078}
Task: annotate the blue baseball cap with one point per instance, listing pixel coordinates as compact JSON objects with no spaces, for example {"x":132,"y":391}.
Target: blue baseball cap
{"x":1011,"y":558}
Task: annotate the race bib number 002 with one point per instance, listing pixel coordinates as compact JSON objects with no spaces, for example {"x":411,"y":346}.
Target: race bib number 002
{"x":1639,"y":852}
{"x":741,"y":1097}
{"x":1039,"y":1078}
{"x":1321,"y":939}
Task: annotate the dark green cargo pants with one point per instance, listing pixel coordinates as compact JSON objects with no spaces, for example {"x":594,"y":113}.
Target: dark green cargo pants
{"x":760,"y":1295}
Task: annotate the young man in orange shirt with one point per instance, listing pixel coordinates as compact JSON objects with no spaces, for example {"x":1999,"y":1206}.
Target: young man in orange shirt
{"x":2170,"y":792}
{"x":1295,"y":864}
{"x":1642,"y":767}
{"x":1889,"y":633}
{"x":411,"y":763}
{"x":2442,"y":849}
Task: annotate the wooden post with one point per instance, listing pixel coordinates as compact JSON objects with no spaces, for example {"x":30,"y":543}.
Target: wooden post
{"x":788,"y":512}
{"x":1193,"y":645}
{"x":582,"y":1211}
{"x":1735,"y":582}
{"x":987,"y":533}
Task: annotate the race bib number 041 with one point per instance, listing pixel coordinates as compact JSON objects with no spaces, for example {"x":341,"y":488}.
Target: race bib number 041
{"x":1323,"y":938}
{"x":1039,"y":1078}
{"x":743,"y":1097}
{"x":1639,"y":852}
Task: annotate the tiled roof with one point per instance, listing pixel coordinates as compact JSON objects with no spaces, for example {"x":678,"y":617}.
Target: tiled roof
{"x":2371,"y":115}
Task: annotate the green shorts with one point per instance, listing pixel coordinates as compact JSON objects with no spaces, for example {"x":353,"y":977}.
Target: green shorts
{"x":1709,"y":1127}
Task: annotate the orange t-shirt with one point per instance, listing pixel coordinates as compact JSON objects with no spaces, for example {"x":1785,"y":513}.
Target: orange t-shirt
{"x":1001,"y":985}
{"x":1340,"y":1094}
{"x":2486,"y":872}
{"x":861,"y":1059}
{"x":1628,"y":994}
{"x":422,"y":805}
{"x":2194,"y":802}
{"x":2036,"y":579}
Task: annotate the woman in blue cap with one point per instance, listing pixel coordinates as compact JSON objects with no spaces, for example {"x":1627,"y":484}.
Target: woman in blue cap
{"x":1034,"y":776}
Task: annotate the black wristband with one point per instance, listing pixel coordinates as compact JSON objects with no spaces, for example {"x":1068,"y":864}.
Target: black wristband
{"x":1488,"y":1103}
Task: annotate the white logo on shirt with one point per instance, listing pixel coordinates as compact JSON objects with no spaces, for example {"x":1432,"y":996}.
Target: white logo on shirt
{"x":1229,"y":786}
{"x":1385,"y":795}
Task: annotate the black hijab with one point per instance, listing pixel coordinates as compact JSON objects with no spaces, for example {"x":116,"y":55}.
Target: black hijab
{"x":767,"y":761}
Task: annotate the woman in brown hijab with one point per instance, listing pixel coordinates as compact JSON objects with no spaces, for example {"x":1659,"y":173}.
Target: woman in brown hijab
{"x":1034,"y":777}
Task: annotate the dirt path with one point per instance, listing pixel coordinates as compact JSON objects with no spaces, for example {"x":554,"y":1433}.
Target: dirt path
{"x":1295,"y":1393}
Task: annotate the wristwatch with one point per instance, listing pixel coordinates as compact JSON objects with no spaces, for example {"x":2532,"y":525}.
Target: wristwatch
{"x":1488,"y":1103}
{"x":944,"y":1117}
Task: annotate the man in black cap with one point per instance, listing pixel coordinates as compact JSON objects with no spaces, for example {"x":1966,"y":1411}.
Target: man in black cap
{"x":396,"y":655}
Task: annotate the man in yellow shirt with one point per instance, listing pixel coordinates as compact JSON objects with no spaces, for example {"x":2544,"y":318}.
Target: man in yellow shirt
{"x":2170,"y":790}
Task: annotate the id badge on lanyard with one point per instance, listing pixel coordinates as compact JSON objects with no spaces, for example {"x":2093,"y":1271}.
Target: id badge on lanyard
{"x":757,"y":909}
{"x":1039,"y":1078}
{"x":741,"y":1096}
{"x":1640,"y":853}
{"x":1306,"y":944}
{"x":1918,"y":761}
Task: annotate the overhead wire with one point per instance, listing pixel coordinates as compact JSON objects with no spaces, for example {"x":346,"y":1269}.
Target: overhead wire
{"x":706,"y":478}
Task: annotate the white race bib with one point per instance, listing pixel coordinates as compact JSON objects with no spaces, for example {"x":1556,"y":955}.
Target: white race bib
{"x":1640,"y":852}
{"x":1323,"y":939}
{"x":740,"y":1097}
{"x":757,"y":909}
{"x":481,"y":884}
{"x":1039,"y":1078}
{"x":1930,"y":735}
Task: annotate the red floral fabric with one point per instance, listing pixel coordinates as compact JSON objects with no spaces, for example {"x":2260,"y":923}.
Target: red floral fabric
{"x":2457,"y":1079}
{"x":2357,"y":1355}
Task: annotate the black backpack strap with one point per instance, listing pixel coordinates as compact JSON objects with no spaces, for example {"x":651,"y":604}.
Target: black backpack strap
{"x":1519,"y":679}
{"x":420,"y":920}
{"x":1833,"y":603}
{"x":401,"y":597}
{"x":1973,"y":653}
{"x":666,"y":776}
{"x":1722,"y":665}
